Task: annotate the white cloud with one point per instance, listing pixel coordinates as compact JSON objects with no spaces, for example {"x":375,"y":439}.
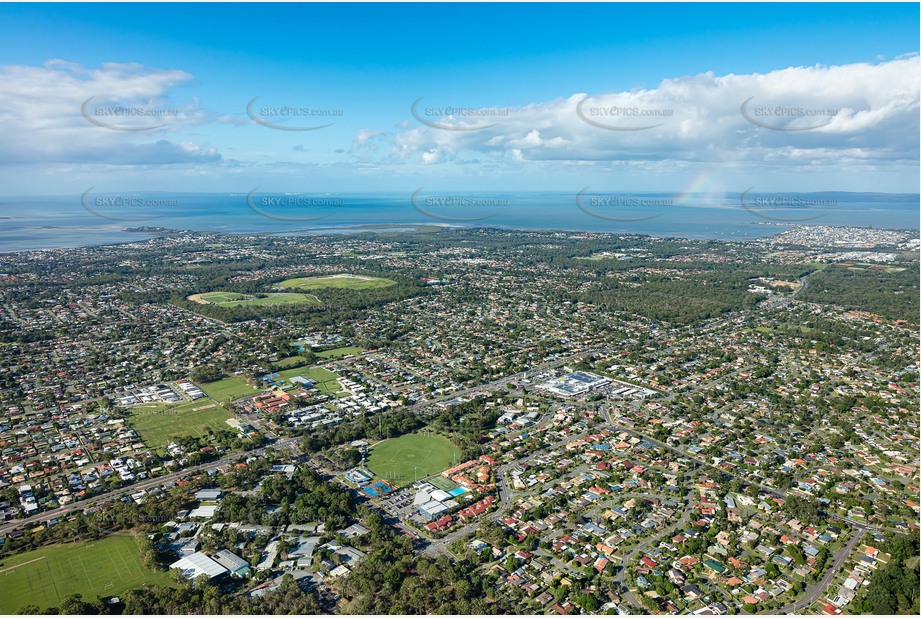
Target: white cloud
{"x":856,"y":112}
{"x":58,"y":113}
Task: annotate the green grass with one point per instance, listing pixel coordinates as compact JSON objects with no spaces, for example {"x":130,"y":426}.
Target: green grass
{"x":219,"y":298}
{"x":43,"y":577}
{"x":290,"y":361}
{"x":326,"y":380}
{"x":228,"y":388}
{"x":233,"y":299}
{"x":415,"y":455}
{"x":339,"y":352}
{"x":274,"y":299}
{"x":159,"y":425}
{"x":348,"y":283}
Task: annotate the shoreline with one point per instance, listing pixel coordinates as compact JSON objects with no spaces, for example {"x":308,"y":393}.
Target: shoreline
{"x":425,"y":228}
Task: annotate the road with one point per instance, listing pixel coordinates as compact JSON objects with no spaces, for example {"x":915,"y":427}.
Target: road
{"x":814,"y":593}
{"x":15,"y":524}
{"x":642,"y":547}
{"x":503,"y":381}
{"x":110,"y":496}
{"x":440,"y":546}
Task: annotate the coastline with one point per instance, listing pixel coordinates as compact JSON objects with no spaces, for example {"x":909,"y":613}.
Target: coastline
{"x":424,"y":228}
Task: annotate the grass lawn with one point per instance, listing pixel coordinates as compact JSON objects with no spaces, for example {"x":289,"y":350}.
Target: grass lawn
{"x":218,"y":298}
{"x":416,"y":455}
{"x":228,"y":388}
{"x":107,"y":567}
{"x":339,"y":352}
{"x":233,"y":299}
{"x":350,"y":282}
{"x":326,"y":380}
{"x":274,"y":299}
{"x":159,"y":425}
{"x":290,"y":361}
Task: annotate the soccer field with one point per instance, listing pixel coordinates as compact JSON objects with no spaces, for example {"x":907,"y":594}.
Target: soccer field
{"x":228,"y":388}
{"x":414,"y":456}
{"x":158,"y":425}
{"x":107,"y":567}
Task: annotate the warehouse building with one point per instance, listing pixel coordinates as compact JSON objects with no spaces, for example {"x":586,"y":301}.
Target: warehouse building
{"x":199,"y":564}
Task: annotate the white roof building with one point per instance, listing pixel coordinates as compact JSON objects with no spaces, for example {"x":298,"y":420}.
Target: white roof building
{"x":198,"y":564}
{"x":205,"y":512}
{"x":440,"y":495}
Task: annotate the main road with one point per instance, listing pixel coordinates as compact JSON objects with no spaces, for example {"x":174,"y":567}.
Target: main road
{"x":108,"y":496}
{"x":135,"y":487}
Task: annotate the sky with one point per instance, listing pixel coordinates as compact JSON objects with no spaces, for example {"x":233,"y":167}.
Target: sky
{"x":366,"y":98}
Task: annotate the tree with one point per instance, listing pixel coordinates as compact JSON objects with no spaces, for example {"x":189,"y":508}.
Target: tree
{"x":206,"y":374}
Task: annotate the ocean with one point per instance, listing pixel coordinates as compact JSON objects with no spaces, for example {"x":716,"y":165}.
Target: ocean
{"x":32,"y":223}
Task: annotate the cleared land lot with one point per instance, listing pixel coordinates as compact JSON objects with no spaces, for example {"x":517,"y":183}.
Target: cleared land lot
{"x":348,"y":282}
{"x":159,"y":425}
{"x":43,"y":577}
{"x":416,"y":455}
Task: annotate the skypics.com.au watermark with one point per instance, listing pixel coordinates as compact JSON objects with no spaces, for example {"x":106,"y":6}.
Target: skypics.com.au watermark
{"x":127,"y":207}
{"x":302,"y":116}
{"x":773,"y":207}
{"x":130,"y":117}
{"x":620,"y":207}
{"x":787,"y":117}
{"x":479,"y":116}
{"x":292,"y":207}
{"x":621,"y":118}
{"x":457,"y":208}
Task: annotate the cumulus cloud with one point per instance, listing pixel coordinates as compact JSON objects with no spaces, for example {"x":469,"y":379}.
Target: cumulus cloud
{"x":818,"y":115}
{"x":117,"y":114}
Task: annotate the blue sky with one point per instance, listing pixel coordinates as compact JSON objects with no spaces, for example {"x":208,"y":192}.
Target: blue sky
{"x":535,"y":63}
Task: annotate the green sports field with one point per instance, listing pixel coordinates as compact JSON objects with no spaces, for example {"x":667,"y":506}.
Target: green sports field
{"x":350,"y":282}
{"x":159,"y":425}
{"x":274,"y":299}
{"x":233,"y":299}
{"x":326,"y":379}
{"x":413,"y":456}
{"x":228,"y":388}
{"x":107,"y":567}
{"x":218,"y":298}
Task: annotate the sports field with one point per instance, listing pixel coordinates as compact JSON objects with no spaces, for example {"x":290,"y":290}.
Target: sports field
{"x":402,"y":460}
{"x":107,"y":567}
{"x":348,"y":282}
{"x":326,"y":379}
{"x":232,"y":299}
{"x":159,"y":425}
{"x":228,"y":388}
